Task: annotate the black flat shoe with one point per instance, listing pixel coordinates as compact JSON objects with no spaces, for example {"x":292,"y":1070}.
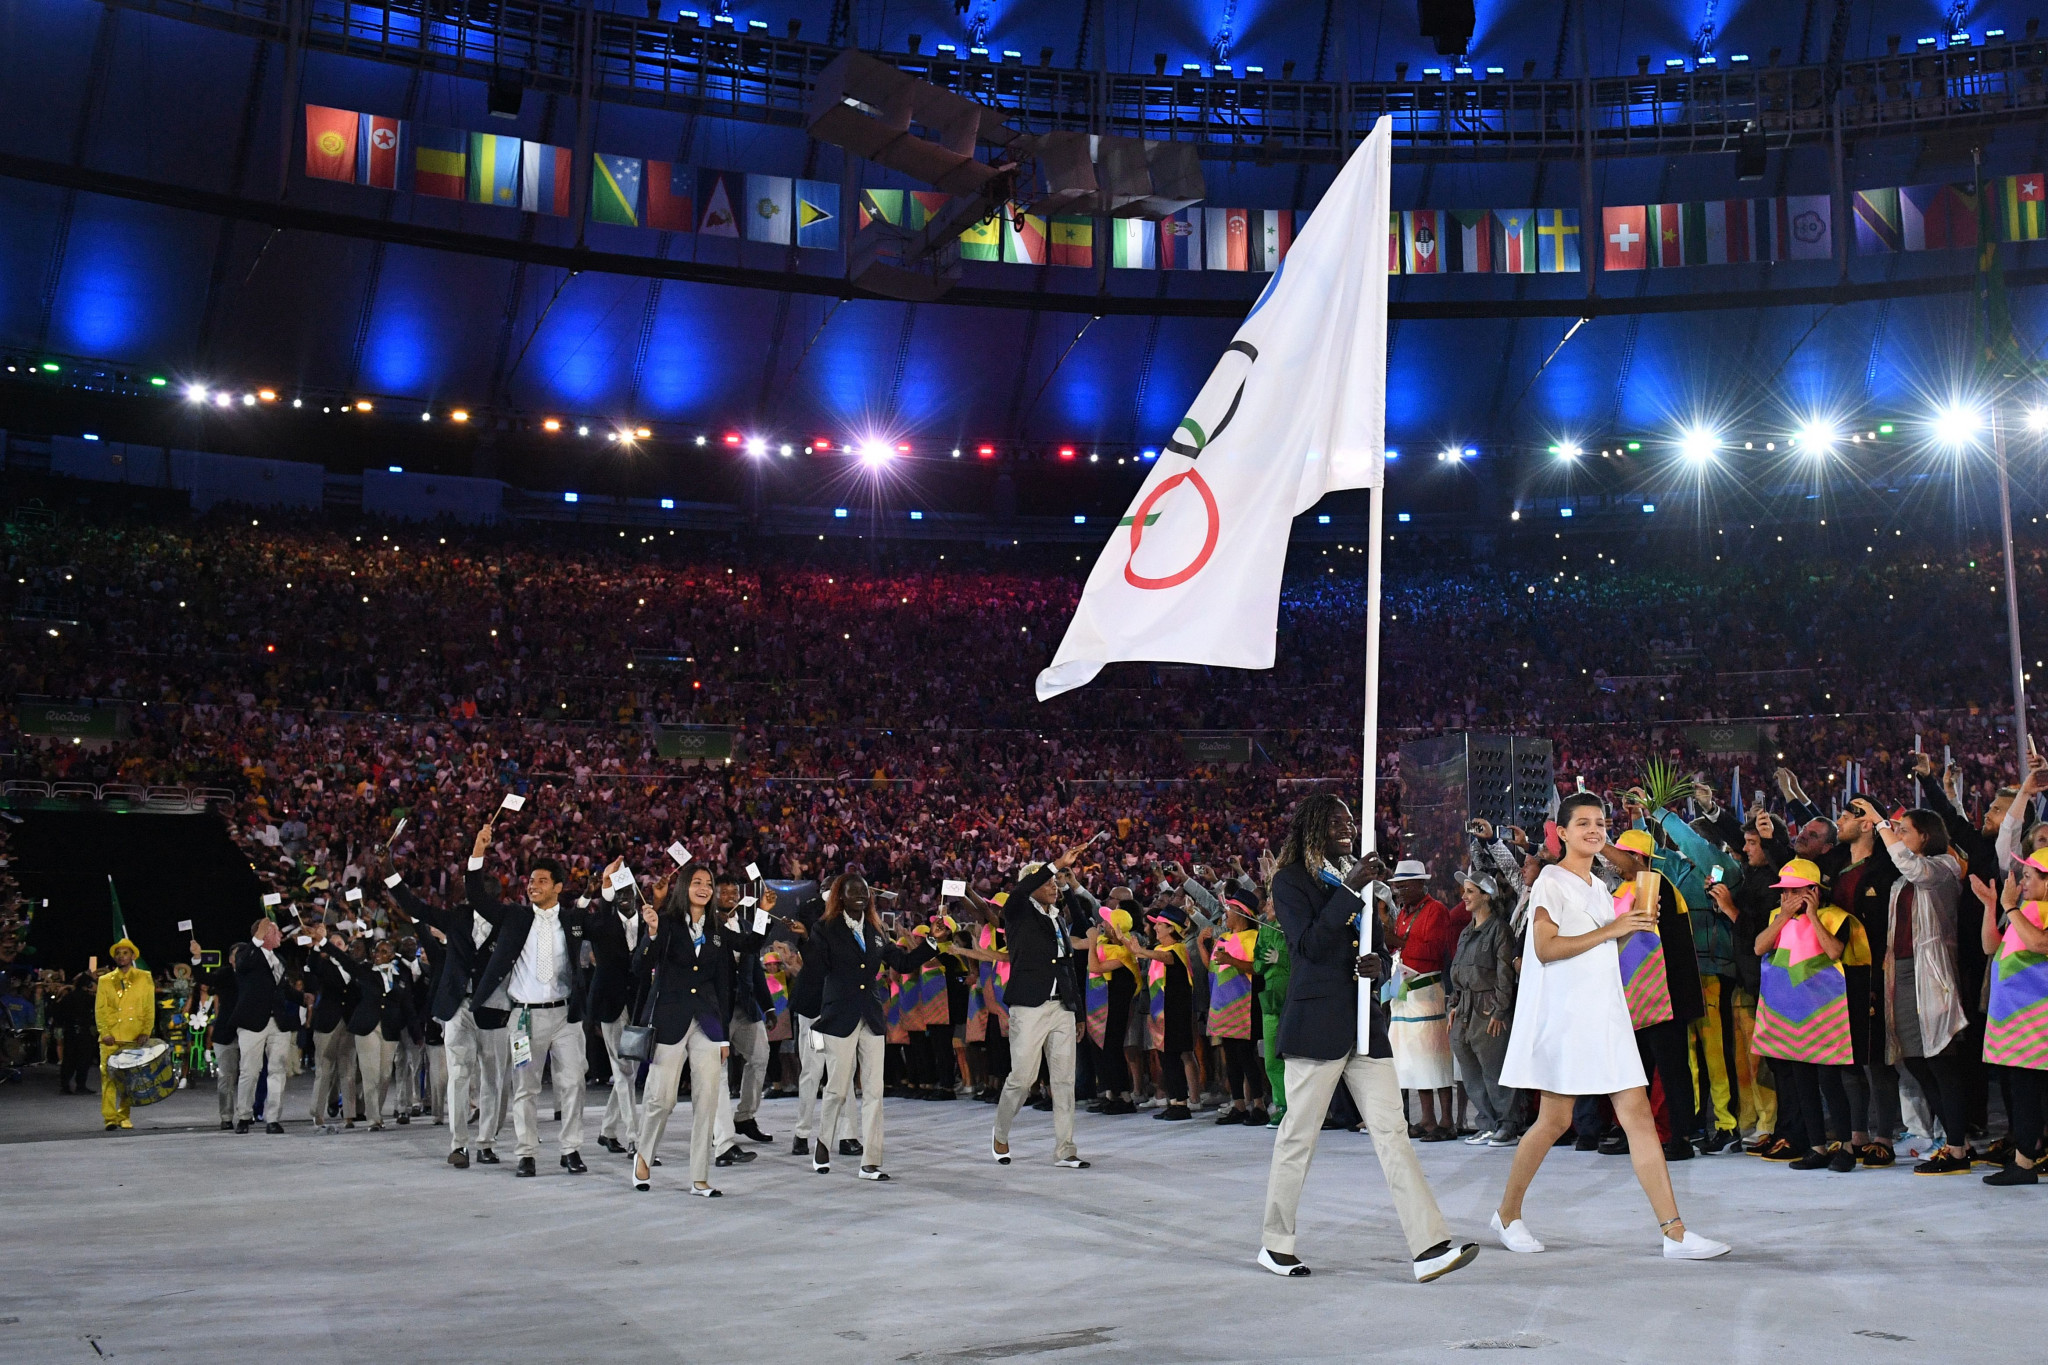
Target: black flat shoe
{"x":572,"y":1162}
{"x":1230,"y":1116}
{"x":612,"y":1145}
{"x":752,"y":1131}
{"x":459,"y":1159}
{"x":799,"y":1147}
{"x":241,"y":1125}
{"x":273,"y":1128}
{"x":849,"y":1147}
{"x":486,"y":1157}
{"x":525,"y":1167}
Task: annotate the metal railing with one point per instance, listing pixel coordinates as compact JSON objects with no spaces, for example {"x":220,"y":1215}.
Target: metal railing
{"x":131,"y":795}
{"x":754,"y":76}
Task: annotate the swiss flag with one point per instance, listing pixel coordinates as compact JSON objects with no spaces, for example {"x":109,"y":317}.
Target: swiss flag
{"x":1625,"y":240}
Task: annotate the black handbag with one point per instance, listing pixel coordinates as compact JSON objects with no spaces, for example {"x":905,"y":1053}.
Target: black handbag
{"x":636,"y":1040}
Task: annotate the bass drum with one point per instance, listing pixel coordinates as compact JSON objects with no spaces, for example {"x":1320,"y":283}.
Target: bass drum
{"x":143,"y":1072}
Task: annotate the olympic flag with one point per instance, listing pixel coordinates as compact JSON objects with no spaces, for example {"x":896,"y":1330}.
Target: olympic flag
{"x":1295,"y":408}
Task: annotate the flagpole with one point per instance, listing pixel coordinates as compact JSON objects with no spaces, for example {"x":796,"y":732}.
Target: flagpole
{"x":2012,"y":599}
{"x":1368,"y":816}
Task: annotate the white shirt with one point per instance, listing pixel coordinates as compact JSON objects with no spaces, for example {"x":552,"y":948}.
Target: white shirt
{"x":542,"y":971}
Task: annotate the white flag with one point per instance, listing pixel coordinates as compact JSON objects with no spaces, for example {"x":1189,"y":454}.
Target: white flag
{"x":1295,"y":409}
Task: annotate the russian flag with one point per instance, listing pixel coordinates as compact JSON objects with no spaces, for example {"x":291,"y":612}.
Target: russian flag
{"x":544,"y":174}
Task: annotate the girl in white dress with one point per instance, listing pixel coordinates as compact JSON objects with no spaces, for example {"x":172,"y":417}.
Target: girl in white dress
{"x":1572,"y":1034}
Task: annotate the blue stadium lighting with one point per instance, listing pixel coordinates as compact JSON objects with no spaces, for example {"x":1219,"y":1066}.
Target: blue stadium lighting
{"x":1649,"y":507}
{"x":758,"y":25}
{"x":839,"y":512}
{"x":1010,"y":55}
{"x":1393,"y":454}
{"x":1148,"y":455}
{"x":668,"y":504}
{"x":1322,"y":519}
{"x":689,"y":14}
{"x":1707,"y":60}
{"x":90,"y":437}
{"x":1496,"y":71}
{"x":917,"y":516}
{"x":1739,"y":57}
{"x":722,"y":19}
{"x":1401,"y":516}
{"x":1674,"y":63}
{"x":394,"y":469}
{"x":568,"y":497}
{"x":1564,"y":511}
{"x":948,"y":48}
{"x":1190,"y":68}
{"x":1255,"y":71}
{"x":1956,"y":425}
{"x":1080,"y":521}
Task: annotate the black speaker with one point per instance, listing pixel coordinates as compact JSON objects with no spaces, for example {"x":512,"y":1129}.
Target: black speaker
{"x":1750,"y":157}
{"x":1449,"y":780}
{"x":1448,"y":24}
{"x":506,"y":94}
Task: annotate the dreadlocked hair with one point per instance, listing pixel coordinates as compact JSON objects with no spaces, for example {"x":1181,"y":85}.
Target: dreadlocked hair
{"x":1307,"y":828}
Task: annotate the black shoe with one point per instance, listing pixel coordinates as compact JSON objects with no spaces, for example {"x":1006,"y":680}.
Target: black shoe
{"x":525,"y":1167}
{"x":273,"y":1127}
{"x":487,"y":1157}
{"x":1230,"y":1116}
{"x":2015,"y":1174}
{"x":1257,"y":1118}
{"x":799,"y":1147}
{"x":1614,"y":1144}
{"x":1042,"y":1106}
{"x":227,"y":1125}
{"x":1941,"y":1163}
{"x":572,"y":1162}
{"x":1875,"y":1154}
{"x":734,"y":1155}
{"x":1999,"y":1153}
{"x":1781,"y":1149}
{"x":1584,"y":1142}
{"x":405,"y":1118}
{"x":942,"y":1094}
{"x":612,"y":1145}
{"x":752,"y":1131}
{"x":850,"y":1147}
{"x":459,"y":1159}
{"x":1094,"y":1106}
{"x":359,"y":1118}
{"x":1812,"y":1161}
{"x":241,"y":1125}
{"x":1678,"y":1149}
{"x":1716,"y":1142}
{"x":1174,"y":1113}
{"x":1280,"y":1263}
{"x":1841,"y":1161}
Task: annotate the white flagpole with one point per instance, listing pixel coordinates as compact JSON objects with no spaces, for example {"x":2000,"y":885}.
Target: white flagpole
{"x":1368,"y":812}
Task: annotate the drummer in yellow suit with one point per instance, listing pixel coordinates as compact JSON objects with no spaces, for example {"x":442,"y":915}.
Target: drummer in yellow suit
{"x":126,"y":1012}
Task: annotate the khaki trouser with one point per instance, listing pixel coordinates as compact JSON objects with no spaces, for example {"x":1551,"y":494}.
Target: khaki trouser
{"x":1310,"y":1084}
{"x":477,"y":1058}
{"x":270,"y":1050}
{"x":227,"y":1069}
{"x":1041,"y":1031}
{"x":330,"y":1067}
{"x":664,"y":1076}
{"x":810,"y":1087}
{"x":559,"y":1043}
{"x":859,"y":1050}
{"x":374,"y":1057}
{"x":750,"y":1045}
{"x":621,"y":1108}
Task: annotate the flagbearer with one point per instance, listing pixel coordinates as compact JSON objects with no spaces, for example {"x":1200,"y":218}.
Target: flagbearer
{"x":125,"y":1009}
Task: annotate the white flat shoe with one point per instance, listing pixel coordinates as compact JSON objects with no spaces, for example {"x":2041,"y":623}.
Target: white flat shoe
{"x":1453,"y":1258}
{"x":873,"y":1173}
{"x":640,"y":1182}
{"x":1291,"y":1269}
{"x":1516,"y":1235}
{"x":706,"y":1192}
{"x":1694,"y":1248}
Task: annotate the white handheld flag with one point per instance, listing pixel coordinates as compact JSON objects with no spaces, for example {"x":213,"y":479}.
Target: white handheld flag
{"x":1295,"y":409}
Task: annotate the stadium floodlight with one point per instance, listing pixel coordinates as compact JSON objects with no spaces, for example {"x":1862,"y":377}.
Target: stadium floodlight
{"x":1955,"y":426}
{"x":1699,"y":444}
{"x":1817,"y":437}
{"x":2037,"y":419}
{"x":1567,"y":450}
{"x":756,"y":446}
{"x":221,"y":400}
{"x":195,"y":393}
{"x":875,"y":452}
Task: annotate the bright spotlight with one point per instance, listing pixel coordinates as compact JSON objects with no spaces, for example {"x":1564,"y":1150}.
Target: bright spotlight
{"x":756,"y":446}
{"x":221,"y":400}
{"x":1818,"y":437}
{"x":1565,"y":450}
{"x":875,"y":452}
{"x":2037,"y":419}
{"x":1699,"y":444}
{"x":195,"y":393}
{"x":1956,"y":425}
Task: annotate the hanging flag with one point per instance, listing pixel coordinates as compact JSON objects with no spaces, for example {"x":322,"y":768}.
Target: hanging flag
{"x":817,"y":214}
{"x":1023,"y":237}
{"x":440,"y":162}
{"x":1514,"y":241}
{"x":1180,"y":241}
{"x":1937,"y":217}
{"x":493,"y":169}
{"x":1295,"y":408}
{"x":1422,"y":236}
{"x":1393,"y":241}
{"x":1627,"y":238}
{"x":1808,"y":233}
{"x":719,"y":194}
{"x":615,"y":189}
{"x":1692,"y":234}
{"x":1468,"y":241}
{"x":671,"y":197}
{"x":768,"y":208}
{"x":544,"y":174}
{"x":1557,"y":241}
{"x":377,"y":140}
{"x":921,"y":206}
{"x":331,"y":143}
{"x":1072,"y":241}
{"x":1878,"y":227}
{"x":1134,"y":244}
{"x":983,"y":241}
{"x":1729,"y":232}
{"x":1766,"y":239}
{"x":1667,"y":236}
{"x":886,"y":205}
{"x":1223,"y":239}
{"x":2021,"y":208}
{"x":1272,"y":232}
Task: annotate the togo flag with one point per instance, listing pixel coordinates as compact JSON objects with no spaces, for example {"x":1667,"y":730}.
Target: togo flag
{"x":1295,"y":408}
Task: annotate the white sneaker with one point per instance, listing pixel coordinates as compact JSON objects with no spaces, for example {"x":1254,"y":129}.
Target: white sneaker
{"x":1516,"y":1235}
{"x":1694,"y":1248}
{"x":1478,"y":1139}
{"x":1436,"y":1267}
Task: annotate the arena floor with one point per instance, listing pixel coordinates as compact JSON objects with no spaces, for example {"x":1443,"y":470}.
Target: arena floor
{"x":178,"y":1242}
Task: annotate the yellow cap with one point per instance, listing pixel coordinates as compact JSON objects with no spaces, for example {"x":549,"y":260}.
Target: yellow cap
{"x":1798,"y":872}
{"x":1637,"y":841}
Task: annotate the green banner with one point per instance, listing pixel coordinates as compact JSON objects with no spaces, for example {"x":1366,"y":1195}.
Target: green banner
{"x":672,"y":742}
{"x":1725,"y":739}
{"x":72,"y":722}
{"x":1216,"y":748}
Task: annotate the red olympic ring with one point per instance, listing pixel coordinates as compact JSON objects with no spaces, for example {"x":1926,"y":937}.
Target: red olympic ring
{"x":1138,"y":580}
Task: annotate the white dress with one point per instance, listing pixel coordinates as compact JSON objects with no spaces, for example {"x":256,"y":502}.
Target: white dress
{"x":1572,"y":1034}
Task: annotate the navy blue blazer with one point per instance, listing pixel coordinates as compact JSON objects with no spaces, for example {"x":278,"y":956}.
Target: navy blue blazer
{"x":1320,"y":1018}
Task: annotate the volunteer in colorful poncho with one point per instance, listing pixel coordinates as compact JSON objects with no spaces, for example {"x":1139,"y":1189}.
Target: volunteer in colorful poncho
{"x":1802,"y":1014}
{"x":1660,"y":975}
{"x":2016,"y":1024}
{"x":1232,"y":957}
{"x":1113,"y":975}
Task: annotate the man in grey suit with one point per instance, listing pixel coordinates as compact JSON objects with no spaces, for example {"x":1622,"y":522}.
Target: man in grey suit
{"x":1320,"y":912}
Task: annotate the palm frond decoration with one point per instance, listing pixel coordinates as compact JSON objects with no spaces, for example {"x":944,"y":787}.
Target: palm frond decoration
{"x":1664,"y":784}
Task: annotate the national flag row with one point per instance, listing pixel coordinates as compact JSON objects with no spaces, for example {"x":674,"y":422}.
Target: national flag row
{"x":1794,"y":227}
{"x":1936,"y":217}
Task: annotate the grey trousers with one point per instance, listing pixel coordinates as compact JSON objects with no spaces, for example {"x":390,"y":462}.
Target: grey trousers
{"x":862,"y":1051}
{"x":329,"y":1067}
{"x":268,"y":1051}
{"x":1310,"y":1084}
{"x":1479,"y":1062}
{"x":810,"y":1087}
{"x":1037,"y":1031}
{"x":477,"y":1059}
{"x":437,"y":1080}
{"x":750,"y":1045}
{"x":664,"y":1076}
{"x":375,"y":1056}
{"x":621,"y":1110}
{"x":411,"y":1085}
{"x":227,"y":1068}
{"x":557,"y":1043}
